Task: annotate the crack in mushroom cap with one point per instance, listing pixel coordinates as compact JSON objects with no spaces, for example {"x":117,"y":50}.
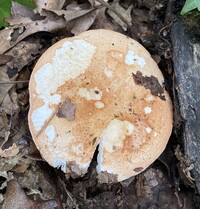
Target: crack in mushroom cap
{"x":91,"y":77}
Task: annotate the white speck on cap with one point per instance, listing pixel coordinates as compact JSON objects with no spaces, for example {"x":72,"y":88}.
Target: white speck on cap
{"x":78,"y":149}
{"x":50,"y":133}
{"x":150,"y":98}
{"x":108,"y":73}
{"x":92,"y":94}
{"x":99,"y":104}
{"x":148,"y":130}
{"x":131,"y":58}
{"x":147,"y":110}
{"x":40,"y":115}
{"x":50,"y":149}
{"x":155,"y":134}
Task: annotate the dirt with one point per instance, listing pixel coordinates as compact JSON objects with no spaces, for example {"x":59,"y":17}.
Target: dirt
{"x":161,"y":186}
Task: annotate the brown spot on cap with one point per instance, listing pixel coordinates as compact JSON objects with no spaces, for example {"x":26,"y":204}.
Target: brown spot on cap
{"x":67,"y":110}
{"x":150,"y":83}
{"x":139,"y":169}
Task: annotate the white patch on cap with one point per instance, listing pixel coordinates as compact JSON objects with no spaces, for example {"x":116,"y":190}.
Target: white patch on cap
{"x":50,"y":133}
{"x":99,"y":104}
{"x":40,"y":115}
{"x":55,"y":99}
{"x":131,"y":58}
{"x":140,"y":61}
{"x":92,"y":94}
{"x":108,"y":73}
{"x":155,"y":134}
{"x":113,"y":135}
{"x":70,"y":60}
{"x":147,"y":110}
{"x":60,"y":163}
{"x":148,"y":130}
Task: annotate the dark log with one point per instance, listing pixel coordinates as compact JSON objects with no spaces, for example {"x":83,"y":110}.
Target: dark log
{"x":186,"y":59}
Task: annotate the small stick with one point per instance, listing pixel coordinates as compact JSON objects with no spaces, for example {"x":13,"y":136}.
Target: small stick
{"x":12,"y":82}
{"x":114,"y":11}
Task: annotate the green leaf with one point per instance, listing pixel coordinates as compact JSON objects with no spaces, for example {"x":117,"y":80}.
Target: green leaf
{"x":28,"y":3}
{"x":190,"y":5}
{"x":5,"y":7}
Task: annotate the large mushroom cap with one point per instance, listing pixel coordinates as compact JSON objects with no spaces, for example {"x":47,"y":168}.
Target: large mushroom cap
{"x":104,"y":88}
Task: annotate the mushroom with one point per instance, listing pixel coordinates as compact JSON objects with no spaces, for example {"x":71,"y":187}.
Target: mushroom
{"x":100,"y":88}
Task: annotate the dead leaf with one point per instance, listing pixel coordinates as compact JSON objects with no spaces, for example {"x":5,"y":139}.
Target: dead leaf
{"x":23,"y":54}
{"x":92,"y":2}
{"x":18,"y":10}
{"x":49,"y":5}
{"x":15,"y":198}
{"x":37,"y":181}
{"x":4,"y":88}
{"x":126,"y":14}
{"x":4,"y":59}
{"x":71,"y":14}
{"x":7,"y":164}
{"x":103,"y":22}
{"x":5,"y":177}
{"x":84,"y":23}
{"x":10,"y":152}
{"x":29,"y":27}
{"x":55,"y":4}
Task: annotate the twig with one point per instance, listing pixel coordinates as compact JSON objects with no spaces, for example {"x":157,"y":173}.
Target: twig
{"x":7,"y":126}
{"x":115,"y":12}
{"x":12,"y":82}
{"x":178,"y":199}
{"x":67,"y":192}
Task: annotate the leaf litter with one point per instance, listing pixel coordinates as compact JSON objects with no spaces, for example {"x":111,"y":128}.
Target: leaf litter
{"x":26,"y":180}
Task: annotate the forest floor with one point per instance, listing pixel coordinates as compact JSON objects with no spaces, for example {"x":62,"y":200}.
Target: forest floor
{"x":34,"y":183}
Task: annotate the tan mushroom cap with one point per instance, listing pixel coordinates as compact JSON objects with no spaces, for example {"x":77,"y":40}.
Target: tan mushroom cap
{"x":104,"y":88}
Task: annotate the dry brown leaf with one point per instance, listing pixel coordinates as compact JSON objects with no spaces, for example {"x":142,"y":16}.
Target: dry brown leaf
{"x":7,"y":177}
{"x":4,"y":59}
{"x":18,"y":10}
{"x":8,"y":104}
{"x":26,"y":28}
{"x":4,"y":88}
{"x":23,"y":54}
{"x":49,"y":5}
{"x":7,"y":164}
{"x":126,"y":14}
{"x":71,"y":14}
{"x":84,"y":23}
{"x":103,"y":22}
{"x":36,"y":179}
{"x":3,"y":174}
{"x":15,"y":198}
{"x":10,"y":152}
